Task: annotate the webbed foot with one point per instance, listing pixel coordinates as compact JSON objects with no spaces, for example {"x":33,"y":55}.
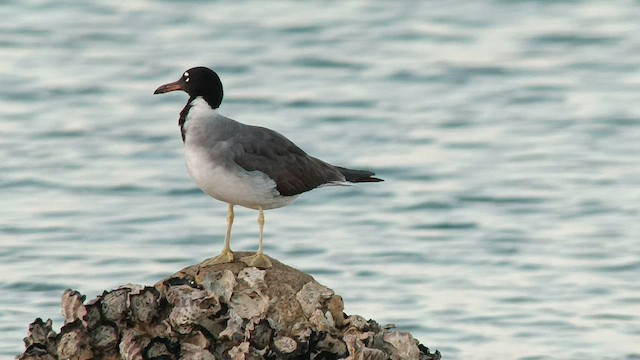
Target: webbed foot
{"x":259,"y":260}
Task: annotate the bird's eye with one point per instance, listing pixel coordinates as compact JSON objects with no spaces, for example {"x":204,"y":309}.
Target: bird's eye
{"x":186,"y":76}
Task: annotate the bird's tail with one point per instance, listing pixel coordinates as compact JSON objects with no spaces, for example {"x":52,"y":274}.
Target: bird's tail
{"x":357,"y":176}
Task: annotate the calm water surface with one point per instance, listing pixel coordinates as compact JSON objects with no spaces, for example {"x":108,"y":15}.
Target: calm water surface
{"x":508,"y":133}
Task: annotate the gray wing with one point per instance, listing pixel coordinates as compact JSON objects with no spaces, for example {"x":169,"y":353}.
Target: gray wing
{"x":258,"y":148}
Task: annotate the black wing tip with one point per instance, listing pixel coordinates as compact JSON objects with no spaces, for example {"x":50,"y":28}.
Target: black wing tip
{"x":357,"y":176}
{"x":368,"y":179}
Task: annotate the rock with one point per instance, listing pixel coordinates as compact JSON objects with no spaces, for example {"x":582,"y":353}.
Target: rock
{"x":223,"y":311}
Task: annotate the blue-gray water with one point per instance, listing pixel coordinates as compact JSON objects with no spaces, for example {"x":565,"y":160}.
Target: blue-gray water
{"x":508,"y":133}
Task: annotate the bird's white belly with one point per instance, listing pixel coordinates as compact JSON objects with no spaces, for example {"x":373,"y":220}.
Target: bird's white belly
{"x":233,"y":185}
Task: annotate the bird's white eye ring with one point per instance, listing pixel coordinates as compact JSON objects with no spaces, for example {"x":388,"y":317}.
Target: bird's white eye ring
{"x":186,"y":75}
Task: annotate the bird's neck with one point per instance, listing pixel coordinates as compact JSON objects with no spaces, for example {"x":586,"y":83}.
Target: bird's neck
{"x":196,"y":110}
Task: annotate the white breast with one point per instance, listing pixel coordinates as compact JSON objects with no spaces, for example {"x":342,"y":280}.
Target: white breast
{"x":226,"y":182}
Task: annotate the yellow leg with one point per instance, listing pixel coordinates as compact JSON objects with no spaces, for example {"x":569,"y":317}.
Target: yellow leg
{"x":226,"y":256}
{"x":258,"y":260}
{"x":261,"y":227}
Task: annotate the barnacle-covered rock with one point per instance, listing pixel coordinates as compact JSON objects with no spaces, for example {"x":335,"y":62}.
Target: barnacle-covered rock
{"x":222,"y":311}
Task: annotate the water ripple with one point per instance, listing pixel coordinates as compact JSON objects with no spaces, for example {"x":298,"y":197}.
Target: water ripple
{"x":506,"y":132}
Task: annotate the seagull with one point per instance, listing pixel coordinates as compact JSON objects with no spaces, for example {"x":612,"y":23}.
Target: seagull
{"x":245,"y":165}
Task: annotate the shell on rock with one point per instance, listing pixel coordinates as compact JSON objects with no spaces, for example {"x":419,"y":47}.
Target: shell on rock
{"x":312,"y":296}
{"x":330,"y":345}
{"x":144,"y":304}
{"x":353,"y":338}
{"x":284,"y":345}
{"x":405,"y":346}
{"x":114,"y":304}
{"x":40,"y":342}
{"x":239,"y":352}
{"x":261,"y":335}
{"x":356,"y":321}
{"x":190,"y":305}
{"x":40,"y":332}
{"x":159,"y":349}
{"x":154,"y":329}
{"x":132,"y":346}
{"x":250,"y":304}
{"x":335,"y":307}
{"x":323,"y":322}
{"x":375,"y":354}
{"x":72,"y":304}
{"x":190,"y":351}
{"x":220,"y":284}
{"x":181,"y":293}
{"x":36,"y":352}
{"x":104,"y":337}
{"x":253,"y":277}
{"x":234,"y":327}
{"x":94,"y":312}
{"x":74,"y":342}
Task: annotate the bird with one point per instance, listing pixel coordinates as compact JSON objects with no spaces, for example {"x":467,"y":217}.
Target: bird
{"x":245,"y":165}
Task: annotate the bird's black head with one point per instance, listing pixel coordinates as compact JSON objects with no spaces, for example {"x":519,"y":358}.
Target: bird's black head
{"x":197,"y":81}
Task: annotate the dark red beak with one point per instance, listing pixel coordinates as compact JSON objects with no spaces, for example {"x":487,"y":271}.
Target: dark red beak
{"x":174,"y":86}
